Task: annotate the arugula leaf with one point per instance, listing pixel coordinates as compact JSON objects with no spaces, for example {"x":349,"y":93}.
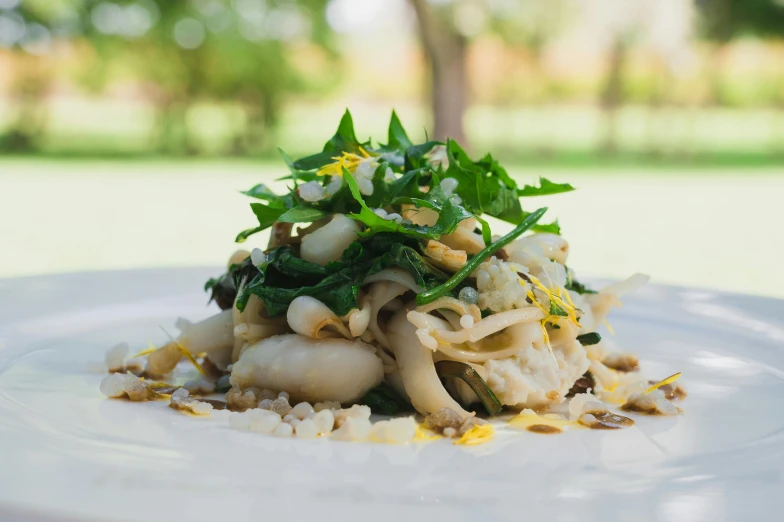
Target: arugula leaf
{"x":545,"y":188}
{"x":495,"y":169}
{"x":484,"y":187}
{"x":267,"y":215}
{"x":397,"y":138}
{"x":264,"y":193}
{"x":415,"y":155}
{"x":449,"y":216}
{"x":344,"y":140}
{"x":302,"y":214}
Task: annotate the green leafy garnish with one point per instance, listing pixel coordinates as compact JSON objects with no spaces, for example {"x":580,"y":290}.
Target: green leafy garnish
{"x":344,"y":140}
{"x":576,"y":286}
{"x":302,"y":215}
{"x":405,"y":175}
{"x":589,"y":339}
{"x":449,"y":215}
{"x":557,"y":310}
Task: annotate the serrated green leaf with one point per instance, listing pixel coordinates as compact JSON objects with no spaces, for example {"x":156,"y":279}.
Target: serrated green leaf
{"x":397,"y":138}
{"x":302,"y":215}
{"x":448,"y":218}
{"x":344,"y":139}
{"x":267,"y":215}
{"x":545,"y":188}
{"x":264,"y":193}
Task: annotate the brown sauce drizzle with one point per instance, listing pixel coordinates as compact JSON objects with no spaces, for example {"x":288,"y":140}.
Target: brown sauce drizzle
{"x":636,"y":408}
{"x":167,"y":390}
{"x":582,"y":385}
{"x":544,"y":429}
{"x":622,"y":362}
{"x":216,"y":404}
{"x":606,"y":420}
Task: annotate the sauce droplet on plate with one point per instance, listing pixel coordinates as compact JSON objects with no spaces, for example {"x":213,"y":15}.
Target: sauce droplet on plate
{"x":544,"y":428}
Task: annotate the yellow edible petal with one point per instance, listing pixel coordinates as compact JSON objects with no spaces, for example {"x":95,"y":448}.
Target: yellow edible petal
{"x":479,"y":434}
{"x":150,"y":348}
{"x":669,"y":380}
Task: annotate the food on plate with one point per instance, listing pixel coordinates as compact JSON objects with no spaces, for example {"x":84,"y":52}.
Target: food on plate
{"x":383,"y":288}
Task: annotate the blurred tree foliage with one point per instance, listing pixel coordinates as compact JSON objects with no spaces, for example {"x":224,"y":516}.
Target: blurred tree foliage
{"x":189,"y":51}
{"x":31,"y":73}
{"x":723,"y":20}
{"x":181,"y":52}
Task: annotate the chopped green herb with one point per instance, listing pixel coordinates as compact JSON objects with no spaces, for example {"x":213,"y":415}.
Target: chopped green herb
{"x":589,"y":339}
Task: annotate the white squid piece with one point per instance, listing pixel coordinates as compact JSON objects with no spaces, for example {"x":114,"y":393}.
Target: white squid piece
{"x":312,"y":370}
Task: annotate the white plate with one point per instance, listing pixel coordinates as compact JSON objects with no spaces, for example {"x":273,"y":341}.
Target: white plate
{"x":66,"y":453}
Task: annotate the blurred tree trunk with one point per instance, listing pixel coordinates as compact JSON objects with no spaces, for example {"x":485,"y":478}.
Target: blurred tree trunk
{"x":612,"y":95}
{"x":445,"y":50}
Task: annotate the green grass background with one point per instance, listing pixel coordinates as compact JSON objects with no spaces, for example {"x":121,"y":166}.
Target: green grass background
{"x":711,"y":227}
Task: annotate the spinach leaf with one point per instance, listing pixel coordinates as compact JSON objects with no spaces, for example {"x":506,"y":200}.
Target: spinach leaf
{"x":384,"y":400}
{"x":223,"y":290}
{"x":284,"y":277}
